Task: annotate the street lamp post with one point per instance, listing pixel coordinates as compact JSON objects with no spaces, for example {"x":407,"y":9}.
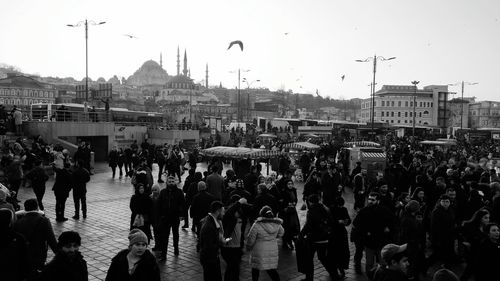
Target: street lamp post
{"x":374,"y":59}
{"x":86,"y":23}
{"x":238,"y":117}
{"x":462,"y":99}
{"x":249,"y":84}
{"x":415,"y":83}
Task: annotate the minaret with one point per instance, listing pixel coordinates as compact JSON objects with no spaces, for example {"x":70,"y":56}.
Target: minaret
{"x":161,"y":61}
{"x":178,"y":61}
{"x":185,"y":70}
{"x":206,"y":77}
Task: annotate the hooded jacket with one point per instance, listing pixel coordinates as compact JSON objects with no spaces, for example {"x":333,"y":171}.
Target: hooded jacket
{"x":262,"y":240}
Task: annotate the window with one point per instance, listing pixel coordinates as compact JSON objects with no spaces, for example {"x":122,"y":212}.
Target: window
{"x":399,"y":114}
{"x":399,"y":120}
{"x":406,"y":121}
{"x":392,"y":121}
{"x":426,"y":112}
{"x":406,"y":114}
{"x":382,"y":114}
{"x":420,"y":114}
{"x":431,"y":104}
{"x":383,"y":103}
{"x":420,"y":104}
{"x":392,"y":113}
{"x":374,"y":103}
{"x":406,"y":103}
{"x":399,"y":103}
{"x":392,"y":103}
{"x":411,"y":114}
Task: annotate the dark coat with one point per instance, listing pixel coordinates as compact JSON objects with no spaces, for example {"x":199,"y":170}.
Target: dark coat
{"x":141,"y":204}
{"x":62,"y":185}
{"x":60,"y":268}
{"x":265,"y":199}
{"x":370,"y":224}
{"x":318,"y":220}
{"x":13,"y":256}
{"x":340,"y":243}
{"x":200,"y":206}
{"x":488,"y":263}
{"x":209,"y":240}
{"x":38,"y":232}
{"x":113,"y":158}
{"x":442,"y":226}
{"x":38,"y":177}
{"x":80,"y":179}
{"x":171,"y":203}
{"x":146,"y":269}
{"x":215,"y":185}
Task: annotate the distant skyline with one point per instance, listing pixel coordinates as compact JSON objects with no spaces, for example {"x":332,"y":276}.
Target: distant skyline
{"x":288,"y":44}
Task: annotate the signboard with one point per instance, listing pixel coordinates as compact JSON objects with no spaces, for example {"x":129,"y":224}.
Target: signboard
{"x":479,"y":136}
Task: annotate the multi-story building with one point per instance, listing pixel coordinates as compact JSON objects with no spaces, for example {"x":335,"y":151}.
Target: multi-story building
{"x":484,"y":114}
{"x":394,"y":105}
{"x":22,"y":90}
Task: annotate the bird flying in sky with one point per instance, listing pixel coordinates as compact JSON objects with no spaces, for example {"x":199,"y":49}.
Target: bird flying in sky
{"x":343,"y":76}
{"x":236,"y":42}
{"x":130,"y":36}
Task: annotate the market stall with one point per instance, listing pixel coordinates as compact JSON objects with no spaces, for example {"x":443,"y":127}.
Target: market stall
{"x":362,"y":144}
{"x":304,"y":145}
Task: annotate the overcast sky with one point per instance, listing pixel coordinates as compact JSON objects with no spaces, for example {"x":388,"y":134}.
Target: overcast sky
{"x":288,"y":44}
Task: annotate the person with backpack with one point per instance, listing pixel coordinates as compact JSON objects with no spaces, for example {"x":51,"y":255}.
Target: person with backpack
{"x":317,"y":231}
{"x":38,"y":232}
{"x":37,"y":177}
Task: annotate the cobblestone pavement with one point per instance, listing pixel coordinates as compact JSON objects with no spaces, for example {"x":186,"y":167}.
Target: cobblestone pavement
{"x":104,"y":232}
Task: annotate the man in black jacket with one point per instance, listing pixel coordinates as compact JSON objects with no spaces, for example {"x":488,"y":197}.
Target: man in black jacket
{"x":211,"y":238}
{"x":38,"y":232}
{"x":81,"y":177}
{"x":171,"y":205}
{"x":62,"y":187}
{"x":200,"y":206}
{"x":373,"y":225}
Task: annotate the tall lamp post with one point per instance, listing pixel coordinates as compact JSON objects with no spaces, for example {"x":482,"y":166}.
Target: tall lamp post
{"x":86,"y":23}
{"x":462,"y":100}
{"x":238,"y":117}
{"x":415,"y":83}
{"x":374,"y":59}
{"x":249,"y":84}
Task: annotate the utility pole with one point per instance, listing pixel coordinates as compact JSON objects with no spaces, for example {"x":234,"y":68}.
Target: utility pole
{"x":415,"y":83}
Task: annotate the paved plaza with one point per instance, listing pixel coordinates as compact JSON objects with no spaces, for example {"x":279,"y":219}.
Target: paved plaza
{"x":104,"y":232}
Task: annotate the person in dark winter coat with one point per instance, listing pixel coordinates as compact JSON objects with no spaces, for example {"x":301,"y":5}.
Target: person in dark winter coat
{"x":14,"y":259}
{"x":412,"y":234}
{"x":317,"y":232}
{"x":200,"y":206}
{"x":330,"y":183}
{"x":264,"y":198}
{"x":113,"y":159}
{"x":312,"y":186}
{"x":80,"y":179}
{"x":473,"y":235}
{"x":38,"y":177}
{"x":37,"y":230}
{"x":488,"y":263}
{"x":211,"y":238}
{"x":288,"y":213}
{"x":141,"y":205}
{"x":443,"y":232}
{"x":62,"y":187}
{"x":374,"y":224}
{"x":240,"y":191}
{"x":338,"y":247}
{"x":155,"y":212}
{"x":171,"y":204}
{"x":144,"y":263}
{"x":68,"y":264}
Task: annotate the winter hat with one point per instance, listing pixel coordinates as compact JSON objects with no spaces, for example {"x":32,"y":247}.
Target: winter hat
{"x":68,"y":237}
{"x":391,"y":250}
{"x":444,"y":275}
{"x":412,"y":206}
{"x":137,"y":236}
{"x":266,"y":212}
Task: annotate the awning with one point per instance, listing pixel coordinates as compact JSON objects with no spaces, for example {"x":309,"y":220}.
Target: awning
{"x":438,"y":142}
{"x":267,"y":136}
{"x":240,"y":152}
{"x":301,"y":145}
{"x":362,"y":144}
{"x":374,"y":155}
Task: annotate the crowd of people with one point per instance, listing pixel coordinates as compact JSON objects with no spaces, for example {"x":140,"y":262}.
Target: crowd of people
{"x":430,"y":207}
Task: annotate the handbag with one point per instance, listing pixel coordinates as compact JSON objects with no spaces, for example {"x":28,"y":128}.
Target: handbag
{"x":138,"y":220}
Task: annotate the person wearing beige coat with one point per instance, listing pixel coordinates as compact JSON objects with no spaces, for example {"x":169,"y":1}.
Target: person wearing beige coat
{"x":262,"y":243}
